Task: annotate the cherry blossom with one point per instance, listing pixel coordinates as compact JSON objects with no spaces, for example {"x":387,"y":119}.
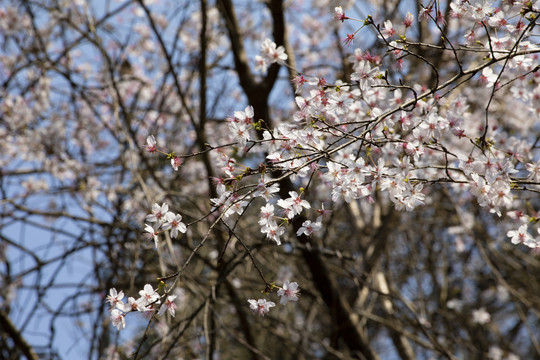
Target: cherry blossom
{"x":309,"y":227}
{"x":151,"y":144}
{"x":297,"y":203}
{"x":148,"y":294}
{"x":235,"y":205}
{"x":261,"y":64}
{"x":534,"y":170}
{"x":240,"y":132}
{"x":339,"y":14}
{"x":364,"y":74}
{"x":118,"y":319}
{"x":266,"y":191}
{"x":271,"y":53}
{"x":298,"y":82}
{"x":245,"y":116}
{"x":349,"y":40}
{"x":408,"y":21}
{"x":169,"y":305}
{"x":261,"y":306}
{"x":114,"y":297}
{"x":140,"y":304}
{"x":158,"y":213}
{"x":174,"y":223}
{"x":388,"y":29}
{"x":521,"y":236}
{"x":151,"y":233}
{"x":176,"y":162}
{"x":273,"y":232}
{"x":288,"y":292}
{"x":267,"y":216}
{"x":488,"y":77}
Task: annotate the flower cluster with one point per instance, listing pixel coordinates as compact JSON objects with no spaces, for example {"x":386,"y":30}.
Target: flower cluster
{"x":164,"y":219}
{"x":231,"y":202}
{"x":289,"y":292}
{"x":270,"y":53}
{"x":404,"y":148}
{"x":522,"y":234}
{"x":146,"y":304}
{"x":240,"y":125}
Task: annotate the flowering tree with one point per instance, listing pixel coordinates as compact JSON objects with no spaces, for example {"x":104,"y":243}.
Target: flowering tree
{"x":221,"y":179}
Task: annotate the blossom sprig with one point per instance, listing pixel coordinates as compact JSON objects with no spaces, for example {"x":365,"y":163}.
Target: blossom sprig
{"x":288,"y":292}
{"x":416,"y":151}
{"x":147,"y":303}
{"x":290,"y":207}
{"x":164,"y":219}
{"x":151,"y":147}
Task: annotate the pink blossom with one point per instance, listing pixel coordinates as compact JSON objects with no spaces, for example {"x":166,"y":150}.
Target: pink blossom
{"x":133,"y":304}
{"x":534,"y":170}
{"x":488,"y":77}
{"x":309,"y":227}
{"x":267,"y":215}
{"x":158,"y":213}
{"x":470,"y":36}
{"x":289,"y":291}
{"x":441,"y":21}
{"x":169,"y":305}
{"x":151,"y":233}
{"x":261,"y":64}
{"x":148,"y":295}
{"x":349,"y":39}
{"x":236,"y":205}
{"x":497,"y":20}
{"x":174,"y":222}
{"x":151,"y":144}
{"x":114,"y":297}
{"x":520,"y":236}
{"x":339,"y":14}
{"x":297,"y":203}
{"x":273,"y":232}
{"x":388,"y":29}
{"x":364,"y":74}
{"x":480,"y":8}
{"x":266,"y":191}
{"x":409,"y":18}
{"x":261,"y":306}
{"x":176,"y":162}
{"x":240,"y":133}
{"x":245,"y":116}
{"x":272,"y":53}
{"x":425,"y":13}
{"x":118,"y":320}
{"x":298,"y":82}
